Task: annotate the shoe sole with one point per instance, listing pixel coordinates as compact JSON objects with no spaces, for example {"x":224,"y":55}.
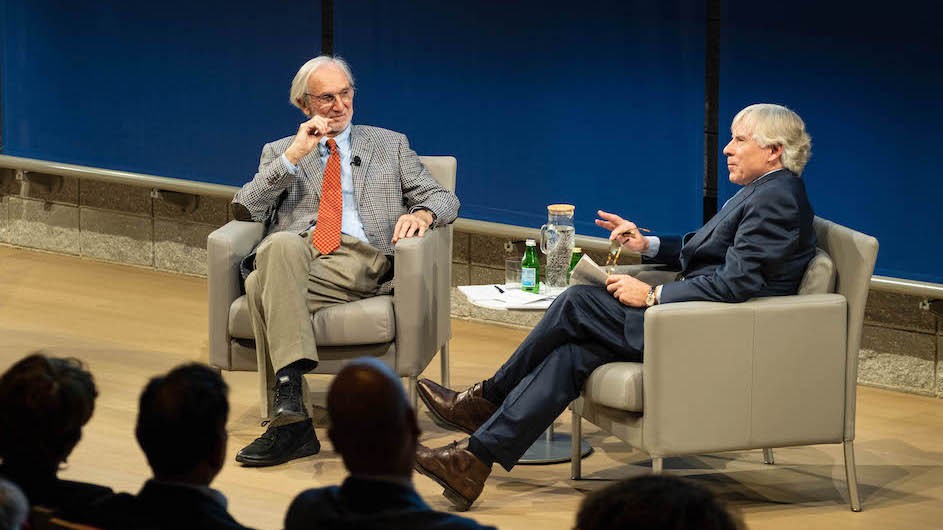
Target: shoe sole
{"x":439,"y":420}
{"x":461,"y":503}
{"x":308,"y":449}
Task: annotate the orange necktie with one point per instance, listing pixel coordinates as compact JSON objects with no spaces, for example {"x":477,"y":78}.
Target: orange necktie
{"x":327,"y":231}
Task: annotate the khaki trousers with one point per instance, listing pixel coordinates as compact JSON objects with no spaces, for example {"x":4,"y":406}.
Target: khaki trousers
{"x":291,"y":281}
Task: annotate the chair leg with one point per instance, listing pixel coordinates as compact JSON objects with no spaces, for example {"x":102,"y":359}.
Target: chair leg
{"x":412,"y":393}
{"x":576,"y":461}
{"x":657,"y":465}
{"x":851,"y":475}
{"x":768,"y":457}
{"x":444,"y":358}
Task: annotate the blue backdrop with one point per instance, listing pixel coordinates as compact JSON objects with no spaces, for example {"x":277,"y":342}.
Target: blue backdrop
{"x":178,"y":88}
{"x":599,"y":104}
{"x":867,"y":83}
{"x":542,"y":102}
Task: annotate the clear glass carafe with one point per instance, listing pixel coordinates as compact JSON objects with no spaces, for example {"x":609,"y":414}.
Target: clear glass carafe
{"x":557,"y":239}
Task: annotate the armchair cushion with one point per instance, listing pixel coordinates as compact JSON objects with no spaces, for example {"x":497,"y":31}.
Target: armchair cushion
{"x":819,"y":277}
{"x":616,"y":385}
{"x":367,"y":321}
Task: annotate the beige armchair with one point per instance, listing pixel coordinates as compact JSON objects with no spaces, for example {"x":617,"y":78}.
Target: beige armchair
{"x":404,"y":329}
{"x":770,"y":372}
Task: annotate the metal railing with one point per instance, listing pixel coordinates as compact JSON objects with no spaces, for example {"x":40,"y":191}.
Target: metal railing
{"x":931,"y":291}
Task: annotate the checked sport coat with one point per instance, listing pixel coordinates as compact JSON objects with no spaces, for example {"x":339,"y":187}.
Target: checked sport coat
{"x":389,"y":181}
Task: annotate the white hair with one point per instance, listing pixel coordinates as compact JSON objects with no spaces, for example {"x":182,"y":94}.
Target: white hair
{"x":777,"y":125}
{"x":300,"y":84}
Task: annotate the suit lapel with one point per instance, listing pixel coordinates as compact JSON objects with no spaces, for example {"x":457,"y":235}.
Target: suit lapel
{"x":313,"y":171}
{"x":361,"y":146}
{"x":701,"y":235}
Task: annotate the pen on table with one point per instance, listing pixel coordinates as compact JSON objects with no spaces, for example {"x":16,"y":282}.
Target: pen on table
{"x":500,"y":290}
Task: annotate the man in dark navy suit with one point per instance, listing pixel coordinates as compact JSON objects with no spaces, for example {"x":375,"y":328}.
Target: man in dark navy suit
{"x":757,"y":245}
{"x":374,"y":429}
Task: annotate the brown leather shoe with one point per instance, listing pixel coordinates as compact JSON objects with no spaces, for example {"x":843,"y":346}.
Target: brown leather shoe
{"x":464,"y":411}
{"x":455,"y":469}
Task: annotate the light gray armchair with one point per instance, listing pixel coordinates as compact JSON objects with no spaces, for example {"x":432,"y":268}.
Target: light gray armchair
{"x":404,"y":329}
{"x":770,"y":372}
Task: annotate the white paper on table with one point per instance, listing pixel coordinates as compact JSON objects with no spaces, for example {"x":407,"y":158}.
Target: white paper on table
{"x":514,"y":298}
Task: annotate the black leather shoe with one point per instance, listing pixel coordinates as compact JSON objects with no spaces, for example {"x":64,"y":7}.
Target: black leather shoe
{"x":280,"y":444}
{"x":289,"y":406}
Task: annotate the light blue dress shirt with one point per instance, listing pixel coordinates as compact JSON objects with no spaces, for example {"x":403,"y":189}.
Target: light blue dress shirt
{"x":350,"y":219}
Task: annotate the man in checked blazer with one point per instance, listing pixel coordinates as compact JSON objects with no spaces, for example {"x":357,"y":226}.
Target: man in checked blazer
{"x":369,"y":190}
{"x":758,"y":244}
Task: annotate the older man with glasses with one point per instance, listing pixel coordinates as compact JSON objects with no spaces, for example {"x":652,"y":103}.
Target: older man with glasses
{"x":335,"y":198}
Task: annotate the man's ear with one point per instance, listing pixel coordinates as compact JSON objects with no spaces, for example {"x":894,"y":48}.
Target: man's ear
{"x":776,"y":152}
{"x":304,"y":108}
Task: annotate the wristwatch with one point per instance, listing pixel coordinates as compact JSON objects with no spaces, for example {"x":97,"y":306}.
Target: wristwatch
{"x":650,"y":298}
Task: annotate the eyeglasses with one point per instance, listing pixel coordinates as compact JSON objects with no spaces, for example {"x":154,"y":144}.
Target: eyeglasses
{"x":615,"y":250}
{"x":324,"y":100}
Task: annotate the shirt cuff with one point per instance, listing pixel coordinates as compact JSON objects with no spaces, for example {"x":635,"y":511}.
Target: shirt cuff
{"x":291,"y":168}
{"x":653,"y":245}
{"x":657,"y":294}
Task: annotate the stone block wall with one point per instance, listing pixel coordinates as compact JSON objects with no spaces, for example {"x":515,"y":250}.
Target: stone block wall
{"x":110,"y":222}
{"x":901,"y":345}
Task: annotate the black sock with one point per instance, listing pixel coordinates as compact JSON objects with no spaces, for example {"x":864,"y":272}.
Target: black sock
{"x":487,"y":392}
{"x":296,"y":369}
{"x":481,"y":452}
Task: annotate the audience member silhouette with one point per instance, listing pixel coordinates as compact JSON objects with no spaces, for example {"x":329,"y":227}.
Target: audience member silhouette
{"x":182,"y":429}
{"x":44,"y":402}
{"x":655,"y":503}
{"x":13,"y":506}
{"x":375,"y":431}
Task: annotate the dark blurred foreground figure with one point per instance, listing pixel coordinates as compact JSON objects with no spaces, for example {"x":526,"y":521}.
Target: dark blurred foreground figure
{"x":182,"y":429}
{"x":13,"y":506}
{"x":655,"y":503}
{"x":375,"y":431}
{"x":44,"y":402}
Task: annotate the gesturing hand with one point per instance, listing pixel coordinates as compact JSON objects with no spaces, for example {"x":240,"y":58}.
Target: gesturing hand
{"x":623,"y":231}
{"x":628,"y":289}
{"x":307,"y":138}
{"x":408,"y":224}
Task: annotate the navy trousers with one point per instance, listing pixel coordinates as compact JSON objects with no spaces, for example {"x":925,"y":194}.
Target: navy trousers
{"x":583,"y":329}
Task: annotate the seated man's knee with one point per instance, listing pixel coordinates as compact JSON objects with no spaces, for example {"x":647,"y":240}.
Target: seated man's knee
{"x":279,"y":243}
{"x":580,"y":294}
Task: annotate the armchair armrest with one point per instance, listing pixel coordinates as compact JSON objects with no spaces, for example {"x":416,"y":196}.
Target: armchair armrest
{"x":769,"y":372}
{"x":419,"y":299}
{"x":225,"y":248}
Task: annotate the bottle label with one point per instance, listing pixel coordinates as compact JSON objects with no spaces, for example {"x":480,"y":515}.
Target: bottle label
{"x":528,"y":277}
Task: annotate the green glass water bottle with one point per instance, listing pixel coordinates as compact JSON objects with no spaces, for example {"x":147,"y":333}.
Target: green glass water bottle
{"x":530,"y":269}
{"x":574,"y":259}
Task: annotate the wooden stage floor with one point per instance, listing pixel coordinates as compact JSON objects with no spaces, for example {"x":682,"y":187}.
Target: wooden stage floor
{"x":129,"y":324}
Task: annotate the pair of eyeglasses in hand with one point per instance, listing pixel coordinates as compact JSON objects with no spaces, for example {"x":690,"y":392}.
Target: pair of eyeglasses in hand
{"x":615,"y":250}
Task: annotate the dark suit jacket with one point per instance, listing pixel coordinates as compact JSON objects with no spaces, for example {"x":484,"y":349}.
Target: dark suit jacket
{"x":162,"y":506}
{"x":65,"y":497}
{"x":758,"y":244}
{"x":361,"y":503}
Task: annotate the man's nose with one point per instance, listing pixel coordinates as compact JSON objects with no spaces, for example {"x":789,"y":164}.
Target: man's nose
{"x":728,"y":150}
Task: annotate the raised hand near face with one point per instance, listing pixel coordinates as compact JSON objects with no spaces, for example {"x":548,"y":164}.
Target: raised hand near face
{"x":307,"y":138}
